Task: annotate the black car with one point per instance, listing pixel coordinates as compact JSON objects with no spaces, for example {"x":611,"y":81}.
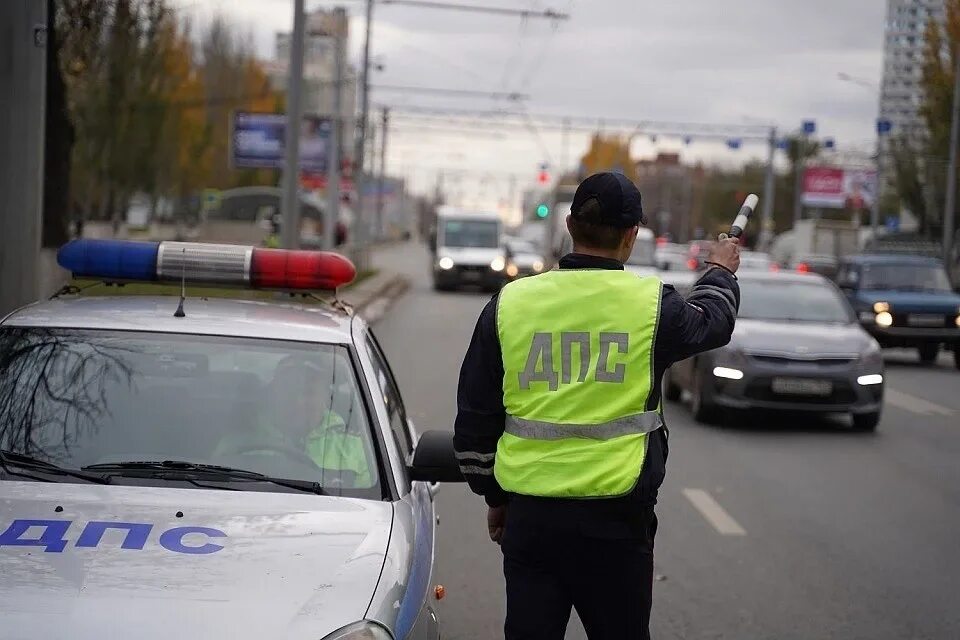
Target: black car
{"x":797,"y":347}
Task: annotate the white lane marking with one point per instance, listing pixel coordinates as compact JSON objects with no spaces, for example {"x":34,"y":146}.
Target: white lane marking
{"x":716,"y":515}
{"x":914,"y":404}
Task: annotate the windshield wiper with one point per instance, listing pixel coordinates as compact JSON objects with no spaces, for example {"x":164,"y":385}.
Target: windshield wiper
{"x":13,"y":459}
{"x":184,"y":468}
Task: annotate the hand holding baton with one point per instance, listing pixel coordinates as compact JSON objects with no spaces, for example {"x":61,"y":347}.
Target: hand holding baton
{"x":740,"y":222}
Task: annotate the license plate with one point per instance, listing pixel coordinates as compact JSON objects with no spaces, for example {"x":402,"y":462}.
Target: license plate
{"x":471,"y":275}
{"x":925,"y":320}
{"x":802,"y":387}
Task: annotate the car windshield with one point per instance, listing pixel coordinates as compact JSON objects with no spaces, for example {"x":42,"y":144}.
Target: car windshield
{"x":471,"y":234}
{"x":643,"y":253}
{"x":905,"y":277}
{"x":284,"y":409}
{"x":781,"y":300}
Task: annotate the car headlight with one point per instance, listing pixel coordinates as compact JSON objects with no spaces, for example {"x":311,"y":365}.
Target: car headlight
{"x":880,"y":307}
{"x":445,"y":263}
{"x":498,"y":263}
{"x":512,"y":270}
{"x":538,"y":267}
{"x":957,"y":321}
{"x":361,"y":631}
{"x":884,"y":319}
{"x":729,"y":364}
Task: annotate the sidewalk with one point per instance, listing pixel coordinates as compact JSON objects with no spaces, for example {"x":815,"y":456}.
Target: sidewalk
{"x":373,"y":296}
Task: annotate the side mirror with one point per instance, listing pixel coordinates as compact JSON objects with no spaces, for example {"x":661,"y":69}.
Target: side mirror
{"x":434,"y":459}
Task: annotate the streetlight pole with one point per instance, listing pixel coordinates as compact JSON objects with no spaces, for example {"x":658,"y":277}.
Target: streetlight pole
{"x":290,"y":229}
{"x":948,"y":210}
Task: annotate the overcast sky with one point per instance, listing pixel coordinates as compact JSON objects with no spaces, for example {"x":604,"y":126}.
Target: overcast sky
{"x":713,"y":61}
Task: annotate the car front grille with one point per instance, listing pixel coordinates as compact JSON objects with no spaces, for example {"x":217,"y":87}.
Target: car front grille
{"x":788,"y":361}
{"x":924,"y":321}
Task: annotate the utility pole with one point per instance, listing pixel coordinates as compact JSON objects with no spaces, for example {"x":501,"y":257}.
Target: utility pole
{"x":883,"y":127}
{"x":798,"y":179}
{"x":384,"y":125}
{"x":949,"y":209}
{"x":564,"y":145}
{"x":22,"y":111}
{"x":769,"y":193}
{"x":290,"y":228}
{"x":336,"y":132}
{"x":807,"y":129}
{"x":361,"y":255}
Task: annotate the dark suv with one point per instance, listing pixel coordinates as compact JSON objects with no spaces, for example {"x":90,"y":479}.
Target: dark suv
{"x":904,"y":301}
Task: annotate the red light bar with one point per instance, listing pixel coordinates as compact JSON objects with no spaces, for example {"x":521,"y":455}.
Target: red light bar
{"x":803,"y":267}
{"x":286,"y":269}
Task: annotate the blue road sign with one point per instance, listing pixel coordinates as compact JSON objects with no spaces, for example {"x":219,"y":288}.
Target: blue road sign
{"x":829,"y":143}
{"x":892,"y":224}
{"x":884,"y":126}
{"x":734,"y":143}
{"x":809,"y":127}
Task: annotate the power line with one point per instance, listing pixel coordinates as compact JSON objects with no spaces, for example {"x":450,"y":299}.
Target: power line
{"x":549,"y":14}
{"x":590,"y":124}
{"x":443,"y":91}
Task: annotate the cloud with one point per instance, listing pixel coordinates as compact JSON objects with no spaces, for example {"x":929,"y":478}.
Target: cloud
{"x":732,"y":61}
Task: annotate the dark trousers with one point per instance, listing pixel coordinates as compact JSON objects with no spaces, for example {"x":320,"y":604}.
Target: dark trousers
{"x":551,"y":566}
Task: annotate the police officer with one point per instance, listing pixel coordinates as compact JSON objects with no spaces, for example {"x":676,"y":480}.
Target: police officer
{"x":560,"y":425}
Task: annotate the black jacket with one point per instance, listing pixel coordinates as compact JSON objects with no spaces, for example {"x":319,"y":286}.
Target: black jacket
{"x":702,"y":321}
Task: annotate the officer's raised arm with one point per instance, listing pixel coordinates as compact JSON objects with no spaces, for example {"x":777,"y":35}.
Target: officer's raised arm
{"x":706,"y":318}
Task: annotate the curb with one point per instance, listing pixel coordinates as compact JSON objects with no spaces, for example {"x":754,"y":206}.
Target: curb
{"x":373,"y":302}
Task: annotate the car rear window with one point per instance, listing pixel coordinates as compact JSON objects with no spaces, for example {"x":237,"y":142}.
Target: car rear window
{"x":285,"y":409}
{"x":782,"y":300}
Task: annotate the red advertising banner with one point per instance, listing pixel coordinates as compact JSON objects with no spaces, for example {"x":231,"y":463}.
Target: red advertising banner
{"x":836,"y":188}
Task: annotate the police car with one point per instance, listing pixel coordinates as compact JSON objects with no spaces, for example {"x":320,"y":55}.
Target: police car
{"x":204,"y":467}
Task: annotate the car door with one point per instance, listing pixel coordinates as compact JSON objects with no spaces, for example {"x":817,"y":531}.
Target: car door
{"x":416,"y":511}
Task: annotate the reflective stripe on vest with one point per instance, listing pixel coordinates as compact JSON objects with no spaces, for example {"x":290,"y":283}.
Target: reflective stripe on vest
{"x":578,"y":369}
{"x":636,"y":424}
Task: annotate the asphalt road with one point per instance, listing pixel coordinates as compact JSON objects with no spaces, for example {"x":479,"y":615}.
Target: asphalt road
{"x":780,"y":528}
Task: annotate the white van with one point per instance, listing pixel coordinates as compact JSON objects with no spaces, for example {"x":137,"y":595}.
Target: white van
{"x":468,"y":249}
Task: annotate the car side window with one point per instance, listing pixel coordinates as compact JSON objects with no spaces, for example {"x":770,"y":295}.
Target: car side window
{"x":391,"y":397}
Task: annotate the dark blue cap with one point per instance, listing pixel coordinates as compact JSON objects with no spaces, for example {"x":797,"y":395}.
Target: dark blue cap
{"x":618,"y":197}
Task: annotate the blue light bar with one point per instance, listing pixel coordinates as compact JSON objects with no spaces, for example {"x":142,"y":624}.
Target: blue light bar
{"x":110,"y":259}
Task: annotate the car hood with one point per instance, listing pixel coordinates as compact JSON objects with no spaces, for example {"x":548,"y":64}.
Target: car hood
{"x":799,"y":338}
{"x":913,"y":301}
{"x":470,"y":255}
{"x":290,"y":566}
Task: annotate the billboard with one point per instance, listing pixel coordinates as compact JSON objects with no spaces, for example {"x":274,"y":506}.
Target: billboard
{"x":838,"y":188}
{"x":258,"y":141}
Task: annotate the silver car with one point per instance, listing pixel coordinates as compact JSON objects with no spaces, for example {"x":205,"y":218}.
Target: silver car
{"x":797,"y":347}
{"x":210,"y":468}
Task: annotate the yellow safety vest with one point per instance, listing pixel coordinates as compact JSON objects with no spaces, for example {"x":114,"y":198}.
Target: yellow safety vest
{"x":578,"y":371}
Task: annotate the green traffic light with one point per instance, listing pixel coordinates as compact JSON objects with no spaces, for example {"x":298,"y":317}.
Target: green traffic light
{"x":543,"y":211}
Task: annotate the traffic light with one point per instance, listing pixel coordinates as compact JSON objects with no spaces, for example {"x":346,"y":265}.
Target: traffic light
{"x":543,"y":210}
